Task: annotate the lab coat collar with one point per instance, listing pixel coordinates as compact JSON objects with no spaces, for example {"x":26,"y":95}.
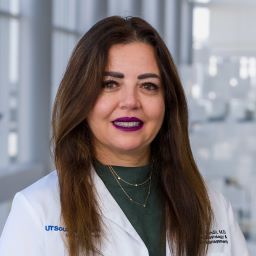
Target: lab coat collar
{"x":112,"y":211}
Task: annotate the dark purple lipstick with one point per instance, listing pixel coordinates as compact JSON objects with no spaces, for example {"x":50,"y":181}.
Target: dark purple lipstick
{"x":128,"y":124}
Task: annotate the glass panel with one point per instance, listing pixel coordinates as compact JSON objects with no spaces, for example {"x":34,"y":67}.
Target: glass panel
{"x":64,"y":13}
{"x":14,"y":6}
{"x":4,"y":211}
{"x":11,"y":6}
{"x":5,"y":5}
{"x":12,"y":149}
{"x":9,"y":34}
{"x":89,"y":12}
{"x":4,"y":90}
{"x":13,"y":92}
{"x":201,"y":25}
{"x":63,"y":45}
{"x":14,"y":51}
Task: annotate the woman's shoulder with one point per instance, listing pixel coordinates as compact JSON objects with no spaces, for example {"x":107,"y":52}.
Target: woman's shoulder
{"x":45,"y":185}
{"x":45,"y":188}
{"x":216,"y":197}
{"x":223,"y":215}
{"x":220,"y":205}
{"x":225,"y":234}
{"x":42,"y":197}
{"x":34,"y":217}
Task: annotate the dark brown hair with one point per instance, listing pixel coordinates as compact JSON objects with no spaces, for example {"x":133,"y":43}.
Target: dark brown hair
{"x":188,"y":209}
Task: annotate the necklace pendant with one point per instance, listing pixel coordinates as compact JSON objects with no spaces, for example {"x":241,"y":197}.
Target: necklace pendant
{"x":117,"y":178}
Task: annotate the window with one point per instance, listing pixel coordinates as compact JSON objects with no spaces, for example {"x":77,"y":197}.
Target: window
{"x":9,"y":79}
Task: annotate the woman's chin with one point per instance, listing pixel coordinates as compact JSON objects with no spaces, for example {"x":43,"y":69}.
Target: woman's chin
{"x":131,"y":149}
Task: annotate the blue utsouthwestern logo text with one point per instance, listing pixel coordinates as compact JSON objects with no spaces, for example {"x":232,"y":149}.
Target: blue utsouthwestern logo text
{"x":55,"y":228}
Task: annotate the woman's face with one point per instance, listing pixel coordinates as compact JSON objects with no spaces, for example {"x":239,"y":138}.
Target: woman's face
{"x":130,"y":109}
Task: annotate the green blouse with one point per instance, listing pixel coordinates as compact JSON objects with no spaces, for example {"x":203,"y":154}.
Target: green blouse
{"x":148,"y":221}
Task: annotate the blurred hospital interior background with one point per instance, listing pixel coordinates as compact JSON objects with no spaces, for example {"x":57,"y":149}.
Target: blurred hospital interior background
{"x":213,"y":43}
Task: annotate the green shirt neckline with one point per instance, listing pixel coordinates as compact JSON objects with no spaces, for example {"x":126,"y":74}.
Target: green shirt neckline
{"x":148,"y":222}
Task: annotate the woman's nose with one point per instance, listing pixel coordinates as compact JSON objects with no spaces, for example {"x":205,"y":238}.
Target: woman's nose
{"x":129,"y":98}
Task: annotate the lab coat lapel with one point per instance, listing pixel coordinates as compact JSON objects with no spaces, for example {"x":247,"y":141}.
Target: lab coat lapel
{"x":110,"y":209}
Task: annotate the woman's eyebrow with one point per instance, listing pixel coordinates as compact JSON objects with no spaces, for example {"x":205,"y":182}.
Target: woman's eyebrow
{"x":114,"y":74}
{"x":148,"y":75}
{"x":121,"y":75}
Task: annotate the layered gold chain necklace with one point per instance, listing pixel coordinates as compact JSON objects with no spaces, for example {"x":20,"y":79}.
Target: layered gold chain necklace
{"x":119,"y":179}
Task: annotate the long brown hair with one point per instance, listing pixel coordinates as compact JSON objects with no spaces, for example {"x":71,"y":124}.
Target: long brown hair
{"x":188,"y":209}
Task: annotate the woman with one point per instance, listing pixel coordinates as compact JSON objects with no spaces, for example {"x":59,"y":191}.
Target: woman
{"x":126,"y":181}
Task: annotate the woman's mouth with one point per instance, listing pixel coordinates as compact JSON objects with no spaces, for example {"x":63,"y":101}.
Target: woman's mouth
{"x":128,"y":123}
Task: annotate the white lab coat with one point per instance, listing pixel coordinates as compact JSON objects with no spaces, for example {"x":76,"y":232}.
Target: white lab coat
{"x":33,"y":227}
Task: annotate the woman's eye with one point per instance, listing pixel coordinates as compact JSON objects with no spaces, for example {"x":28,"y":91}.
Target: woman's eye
{"x":110,"y":84}
{"x":150,"y":86}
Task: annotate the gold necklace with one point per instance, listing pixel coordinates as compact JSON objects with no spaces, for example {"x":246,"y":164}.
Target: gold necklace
{"x":126,"y":182}
{"x":118,"y":178}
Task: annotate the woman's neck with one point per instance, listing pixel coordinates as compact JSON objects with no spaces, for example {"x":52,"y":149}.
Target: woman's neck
{"x":123,"y":158}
